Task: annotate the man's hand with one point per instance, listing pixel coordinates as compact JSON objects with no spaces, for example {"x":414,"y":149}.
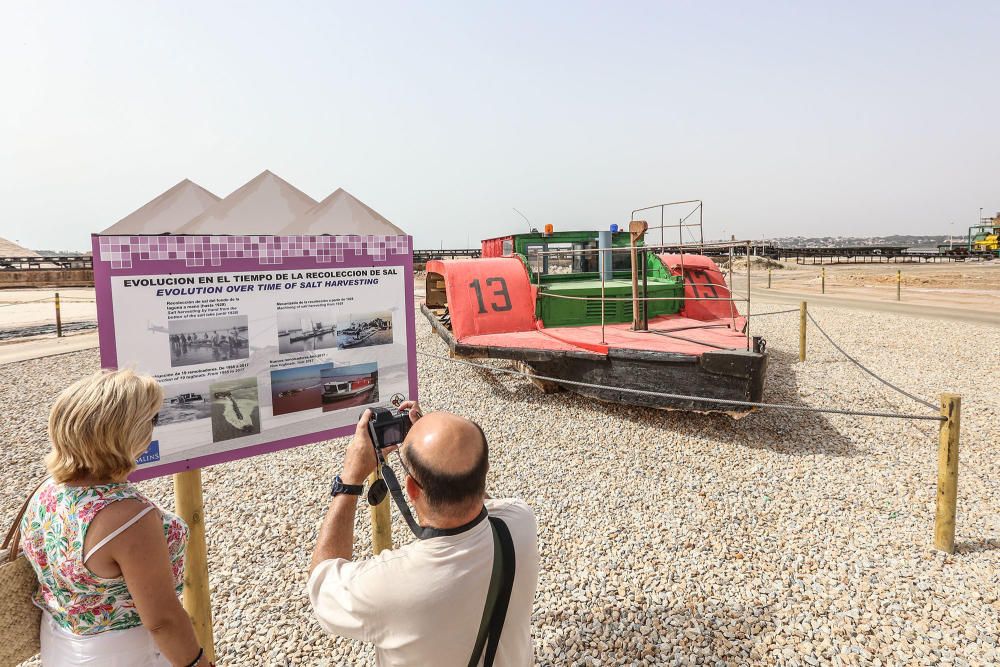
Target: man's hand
{"x":359,"y":459}
{"x":414,"y":410}
{"x":336,"y":534}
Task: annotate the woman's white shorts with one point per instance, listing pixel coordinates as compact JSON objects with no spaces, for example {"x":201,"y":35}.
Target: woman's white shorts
{"x":116,"y":648}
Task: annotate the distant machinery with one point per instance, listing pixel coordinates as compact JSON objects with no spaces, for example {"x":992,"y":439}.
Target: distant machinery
{"x":985,"y":237}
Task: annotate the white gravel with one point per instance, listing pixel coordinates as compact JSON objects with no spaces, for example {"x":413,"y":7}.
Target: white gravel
{"x":666,"y":538}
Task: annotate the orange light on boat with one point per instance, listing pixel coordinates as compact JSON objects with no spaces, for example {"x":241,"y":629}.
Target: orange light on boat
{"x":548,"y":229}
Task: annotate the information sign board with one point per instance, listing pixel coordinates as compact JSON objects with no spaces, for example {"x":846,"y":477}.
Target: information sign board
{"x":260,"y":342}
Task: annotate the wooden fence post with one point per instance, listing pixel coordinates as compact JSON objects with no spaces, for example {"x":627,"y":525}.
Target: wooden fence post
{"x":381,"y":521}
{"x":197,"y":596}
{"x":58,"y":318}
{"x":822,"y":279}
{"x":802,"y":331}
{"x":899,"y":282}
{"x":947,"y":485}
{"x":769,"y":279}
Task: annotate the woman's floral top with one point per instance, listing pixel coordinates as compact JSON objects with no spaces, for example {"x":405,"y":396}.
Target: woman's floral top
{"x":53,"y":529}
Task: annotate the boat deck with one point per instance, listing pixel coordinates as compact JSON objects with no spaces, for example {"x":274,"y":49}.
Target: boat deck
{"x":667,"y":333}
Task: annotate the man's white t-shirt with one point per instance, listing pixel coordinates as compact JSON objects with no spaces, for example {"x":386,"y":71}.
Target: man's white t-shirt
{"x":422,"y":604}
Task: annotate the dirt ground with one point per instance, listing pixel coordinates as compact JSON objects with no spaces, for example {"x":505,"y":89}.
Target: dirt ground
{"x":971,"y":286}
{"x":29,"y":307}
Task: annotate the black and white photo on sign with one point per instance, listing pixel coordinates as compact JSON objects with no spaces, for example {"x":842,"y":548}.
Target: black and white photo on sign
{"x":364,"y":329}
{"x":235,"y":408}
{"x":185,"y":402}
{"x":319,"y":329}
{"x":208,"y":339}
{"x":306,"y":330}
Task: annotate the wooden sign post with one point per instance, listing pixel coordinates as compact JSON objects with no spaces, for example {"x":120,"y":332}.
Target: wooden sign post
{"x":381,"y":521}
{"x":197,"y":596}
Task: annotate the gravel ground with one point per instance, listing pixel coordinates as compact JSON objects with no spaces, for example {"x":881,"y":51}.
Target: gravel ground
{"x":666,"y":538}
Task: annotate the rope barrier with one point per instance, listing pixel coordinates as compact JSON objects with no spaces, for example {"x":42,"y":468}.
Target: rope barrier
{"x":64,"y":299}
{"x":701,"y":399}
{"x":775,"y":312}
{"x":866,"y":370}
{"x":18,"y":303}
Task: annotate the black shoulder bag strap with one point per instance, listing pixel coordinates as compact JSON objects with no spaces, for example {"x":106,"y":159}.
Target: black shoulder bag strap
{"x":498,"y":597}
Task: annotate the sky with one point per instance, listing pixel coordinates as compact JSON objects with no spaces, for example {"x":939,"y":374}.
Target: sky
{"x":797,"y":118}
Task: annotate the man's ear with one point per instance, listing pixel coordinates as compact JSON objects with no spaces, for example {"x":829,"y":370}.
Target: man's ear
{"x":412,"y":489}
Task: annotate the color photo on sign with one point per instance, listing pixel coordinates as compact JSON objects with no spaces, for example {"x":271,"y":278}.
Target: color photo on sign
{"x":349,"y":386}
{"x":297,"y":389}
{"x":208,"y":339}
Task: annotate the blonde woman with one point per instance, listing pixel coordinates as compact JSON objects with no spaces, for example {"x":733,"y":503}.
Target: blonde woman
{"x":110,"y":563}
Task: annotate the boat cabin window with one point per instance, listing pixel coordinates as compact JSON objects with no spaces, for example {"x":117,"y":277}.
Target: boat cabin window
{"x":621,"y":260}
{"x":562,"y":260}
{"x":508,"y":248}
{"x":535,"y":258}
{"x":579,"y":257}
{"x":585,"y":258}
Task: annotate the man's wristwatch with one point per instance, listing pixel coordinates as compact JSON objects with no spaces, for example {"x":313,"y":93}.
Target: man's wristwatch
{"x":338,"y":487}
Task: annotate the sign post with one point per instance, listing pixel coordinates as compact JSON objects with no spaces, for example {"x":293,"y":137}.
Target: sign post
{"x":197,"y":596}
{"x":381,"y":521}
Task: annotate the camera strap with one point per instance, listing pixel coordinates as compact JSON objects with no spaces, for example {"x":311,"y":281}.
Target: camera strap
{"x":498,"y":597}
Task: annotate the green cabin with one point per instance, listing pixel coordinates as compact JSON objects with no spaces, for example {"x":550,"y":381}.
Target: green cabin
{"x":566,"y":267}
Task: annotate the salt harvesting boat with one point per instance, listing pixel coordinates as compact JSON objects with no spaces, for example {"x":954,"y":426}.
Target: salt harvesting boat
{"x":604,"y":309}
{"x":342,"y":390}
{"x":359,"y":332}
{"x":186,"y":399}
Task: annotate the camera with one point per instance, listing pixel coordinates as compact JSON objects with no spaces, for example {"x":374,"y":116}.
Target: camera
{"x":388,"y":427}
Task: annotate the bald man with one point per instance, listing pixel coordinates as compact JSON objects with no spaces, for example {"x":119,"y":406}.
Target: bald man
{"x":422,"y":604}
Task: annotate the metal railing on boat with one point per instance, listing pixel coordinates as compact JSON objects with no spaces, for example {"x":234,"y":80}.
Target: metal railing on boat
{"x":604,"y":253}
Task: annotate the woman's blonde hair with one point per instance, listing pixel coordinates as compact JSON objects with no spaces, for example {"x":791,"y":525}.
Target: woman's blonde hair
{"x":101,"y":424}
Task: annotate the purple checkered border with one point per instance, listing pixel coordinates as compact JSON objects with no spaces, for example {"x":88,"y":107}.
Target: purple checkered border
{"x":121,"y":251}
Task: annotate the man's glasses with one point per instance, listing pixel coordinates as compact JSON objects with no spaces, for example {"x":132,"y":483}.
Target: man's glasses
{"x":406,"y":468}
